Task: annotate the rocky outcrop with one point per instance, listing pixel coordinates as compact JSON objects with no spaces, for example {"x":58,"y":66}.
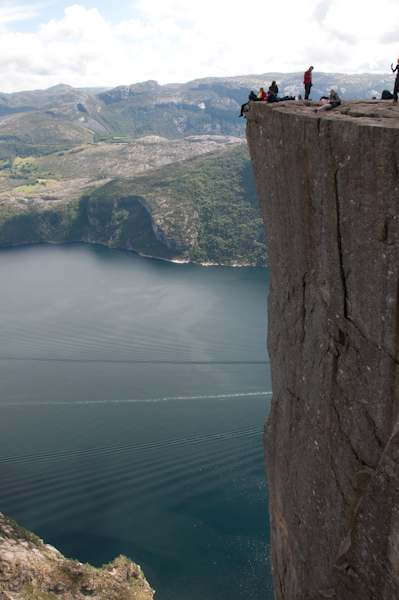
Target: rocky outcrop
{"x":105,"y":224}
{"x":31,"y":569}
{"x":328,"y":187}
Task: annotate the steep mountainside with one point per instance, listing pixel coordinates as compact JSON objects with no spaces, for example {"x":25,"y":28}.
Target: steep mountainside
{"x":329,"y":192}
{"x":204,"y":209}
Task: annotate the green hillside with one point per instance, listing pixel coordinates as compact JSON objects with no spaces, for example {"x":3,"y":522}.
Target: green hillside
{"x":58,"y":145}
{"x":35,"y":134}
{"x":203,"y":209}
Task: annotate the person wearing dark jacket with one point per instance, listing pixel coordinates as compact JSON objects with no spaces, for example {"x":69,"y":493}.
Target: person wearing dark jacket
{"x":271,"y":97}
{"x":307,"y":82}
{"x":273,"y":88}
{"x":396,"y":88}
{"x":252,"y":96}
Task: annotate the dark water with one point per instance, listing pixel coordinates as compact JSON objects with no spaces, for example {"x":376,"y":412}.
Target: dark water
{"x":133,"y":396}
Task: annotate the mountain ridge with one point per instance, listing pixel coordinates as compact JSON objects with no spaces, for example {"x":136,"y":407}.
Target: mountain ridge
{"x":208,"y":105}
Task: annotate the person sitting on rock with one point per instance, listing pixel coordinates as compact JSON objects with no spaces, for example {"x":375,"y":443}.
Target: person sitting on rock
{"x":396,"y":88}
{"x":333,"y":101}
{"x":273,"y":88}
{"x":262,"y":94}
{"x":271,"y":97}
{"x":252,"y":96}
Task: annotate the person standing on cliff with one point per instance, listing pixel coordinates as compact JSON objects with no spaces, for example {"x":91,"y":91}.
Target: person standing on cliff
{"x":396,"y":88}
{"x":307,"y":82}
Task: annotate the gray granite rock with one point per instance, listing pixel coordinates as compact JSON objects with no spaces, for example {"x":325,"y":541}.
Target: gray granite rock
{"x":328,"y":187}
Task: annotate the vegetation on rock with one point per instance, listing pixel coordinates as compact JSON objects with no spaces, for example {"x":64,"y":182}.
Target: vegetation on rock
{"x":31,"y":569}
{"x":203,"y":209}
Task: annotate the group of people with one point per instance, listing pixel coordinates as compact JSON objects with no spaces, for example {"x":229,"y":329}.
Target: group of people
{"x":328,"y":103}
{"x":269,"y":96}
{"x":272,"y":94}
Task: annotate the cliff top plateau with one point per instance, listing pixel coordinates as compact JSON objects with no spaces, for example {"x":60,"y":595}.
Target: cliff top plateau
{"x":328,"y":188}
{"x":379,"y":113}
{"x":31,"y":569}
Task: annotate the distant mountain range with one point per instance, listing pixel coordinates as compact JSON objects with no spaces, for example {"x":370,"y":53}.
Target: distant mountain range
{"x":118,"y":166}
{"x":62,"y":117}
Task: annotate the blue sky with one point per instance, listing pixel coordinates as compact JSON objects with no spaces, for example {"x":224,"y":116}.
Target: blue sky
{"x":98,"y":43}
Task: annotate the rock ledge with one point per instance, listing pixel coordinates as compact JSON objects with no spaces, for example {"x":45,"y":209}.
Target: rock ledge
{"x":30,"y":569}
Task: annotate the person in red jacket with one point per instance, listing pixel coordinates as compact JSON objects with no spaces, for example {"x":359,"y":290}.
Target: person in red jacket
{"x":307,"y":81}
{"x":262,"y":94}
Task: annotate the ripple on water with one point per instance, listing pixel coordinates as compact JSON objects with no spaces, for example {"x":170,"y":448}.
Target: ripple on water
{"x":132,"y":404}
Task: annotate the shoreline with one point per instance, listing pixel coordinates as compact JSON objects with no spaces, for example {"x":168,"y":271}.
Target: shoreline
{"x":172,"y":260}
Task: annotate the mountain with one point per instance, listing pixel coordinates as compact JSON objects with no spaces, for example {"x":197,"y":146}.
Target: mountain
{"x":202,"y":106}
{"x":29,"y":100}
{"x":60,"y":144}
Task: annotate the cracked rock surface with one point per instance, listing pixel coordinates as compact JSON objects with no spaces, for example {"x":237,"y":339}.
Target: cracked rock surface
{"x":32,"y":570}
{"x":328,"y":187}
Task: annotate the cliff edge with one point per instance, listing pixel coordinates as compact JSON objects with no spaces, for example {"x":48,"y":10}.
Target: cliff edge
{"x":328,"y":187}
{"x":32,"y":570}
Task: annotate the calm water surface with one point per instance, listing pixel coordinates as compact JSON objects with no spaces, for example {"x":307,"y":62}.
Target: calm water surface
{"x":133,"y":396}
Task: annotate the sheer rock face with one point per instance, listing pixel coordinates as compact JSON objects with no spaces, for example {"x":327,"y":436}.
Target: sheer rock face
{"x":30,"y":569}
{"x":328,"y":187}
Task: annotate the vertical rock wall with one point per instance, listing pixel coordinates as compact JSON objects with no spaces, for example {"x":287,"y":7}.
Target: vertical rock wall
{"x":328,"y":187}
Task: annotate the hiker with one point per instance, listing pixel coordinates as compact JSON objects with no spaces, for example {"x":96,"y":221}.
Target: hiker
{"x":307,"y":81}
{"x":271,"y":97}
{"x":252,"y":96}
{"x":299,"y":97}
{"x":262,"y":94}
{"x":333,"y":101}
{"x":273,"y":88}
{"x":396,"y":88}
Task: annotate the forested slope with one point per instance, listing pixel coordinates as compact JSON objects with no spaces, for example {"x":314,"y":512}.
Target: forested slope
{"x":202,"y":209}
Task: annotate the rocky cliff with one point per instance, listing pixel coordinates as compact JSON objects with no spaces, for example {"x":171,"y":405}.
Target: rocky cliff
{"x":328,"y":187}
{"x":30,"y":569}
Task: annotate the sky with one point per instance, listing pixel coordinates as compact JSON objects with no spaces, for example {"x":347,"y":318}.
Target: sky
{"x":114,"y":42}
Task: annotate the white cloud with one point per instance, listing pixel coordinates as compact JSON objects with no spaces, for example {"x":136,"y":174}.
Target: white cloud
{"x":173,"y":40}
{"x":78,"y":23}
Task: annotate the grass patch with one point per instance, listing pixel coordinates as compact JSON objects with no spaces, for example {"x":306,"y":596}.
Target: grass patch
{"x":38,"y":185}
